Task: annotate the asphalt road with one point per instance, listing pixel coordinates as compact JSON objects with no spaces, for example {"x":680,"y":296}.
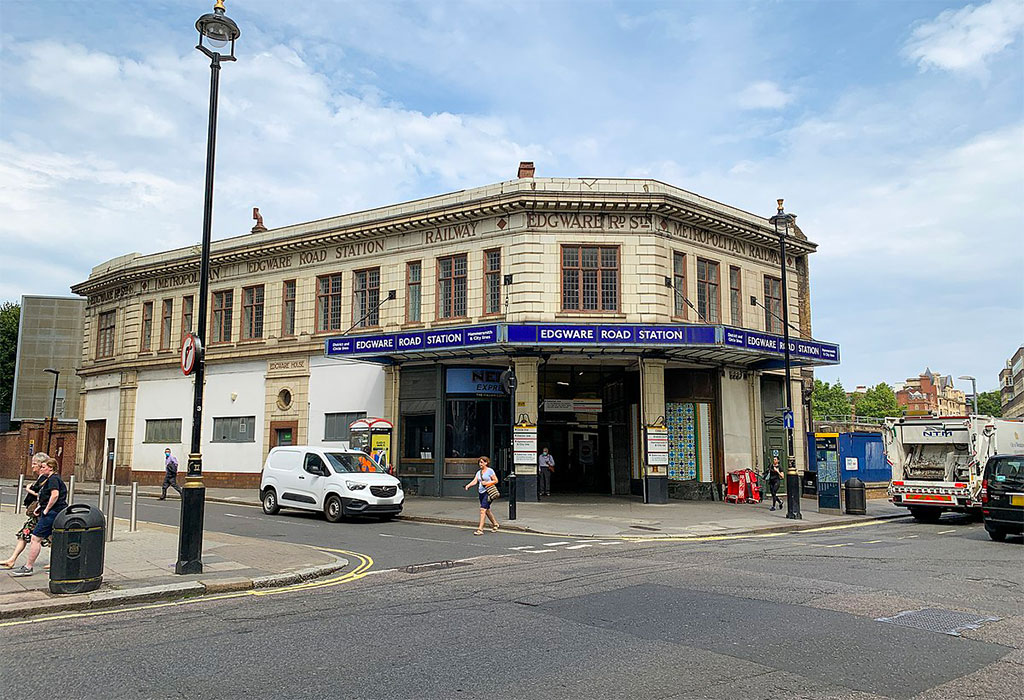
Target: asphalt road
{"x":792,"y":615}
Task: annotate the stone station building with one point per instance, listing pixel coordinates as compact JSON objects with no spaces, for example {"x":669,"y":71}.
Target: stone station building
{"x":619,"y":303}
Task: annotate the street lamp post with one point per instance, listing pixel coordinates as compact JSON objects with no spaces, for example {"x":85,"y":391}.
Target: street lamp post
{"x":53,"y":404}
{"x":216,"y":32}
{"x":782,"y":222}
{"x":974,"y":390}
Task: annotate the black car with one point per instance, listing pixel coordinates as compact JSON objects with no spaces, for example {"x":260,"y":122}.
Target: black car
{"x":1002,"y":496}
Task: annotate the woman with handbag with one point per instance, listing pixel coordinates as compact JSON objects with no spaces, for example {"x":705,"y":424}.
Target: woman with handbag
{"x":486,"y":482}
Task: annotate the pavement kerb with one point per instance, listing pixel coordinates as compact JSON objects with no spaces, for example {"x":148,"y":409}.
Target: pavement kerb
{"x":166,"y":592}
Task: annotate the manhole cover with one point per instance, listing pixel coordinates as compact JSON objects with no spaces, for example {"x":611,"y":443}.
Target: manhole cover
{"x":937,"y":620}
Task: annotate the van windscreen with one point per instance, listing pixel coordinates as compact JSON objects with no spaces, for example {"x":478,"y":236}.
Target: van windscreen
{"x":352,"y":462}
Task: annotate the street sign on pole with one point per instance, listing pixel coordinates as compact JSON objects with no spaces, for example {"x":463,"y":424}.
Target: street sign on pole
{"x":787,"y":419}
{"x":191,"y":348}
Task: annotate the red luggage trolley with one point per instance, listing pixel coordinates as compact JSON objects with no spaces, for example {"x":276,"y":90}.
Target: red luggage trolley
{"x":735,"y":487}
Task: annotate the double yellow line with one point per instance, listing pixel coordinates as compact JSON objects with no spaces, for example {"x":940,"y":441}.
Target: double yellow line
{"x":365,"y":563}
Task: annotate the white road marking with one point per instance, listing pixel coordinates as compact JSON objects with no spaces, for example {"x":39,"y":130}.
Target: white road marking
{"x":945,"y":532}
{"x":609,"y":543}
{"x":418,"y":539}
{"x":873,"y":542}
{"x":555,"y":544}
{"x":538,"y":551}
{"x":579,"y":546}
{"x":529,"y":546}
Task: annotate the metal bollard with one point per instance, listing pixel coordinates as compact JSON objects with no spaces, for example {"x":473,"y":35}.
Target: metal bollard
{"x":110,"y":512}
{"x":71,"y":489}
{"x":19,"y":497}
{"x":103,"y":491}
{"x":134,"y":523}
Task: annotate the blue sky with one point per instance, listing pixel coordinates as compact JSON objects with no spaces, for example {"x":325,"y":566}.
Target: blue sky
{"x":894,"y":130}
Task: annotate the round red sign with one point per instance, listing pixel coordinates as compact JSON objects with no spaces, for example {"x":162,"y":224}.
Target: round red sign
{"x":189,"y":353}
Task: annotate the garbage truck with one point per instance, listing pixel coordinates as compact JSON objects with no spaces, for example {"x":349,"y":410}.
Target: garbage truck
{"x":938,"y":463}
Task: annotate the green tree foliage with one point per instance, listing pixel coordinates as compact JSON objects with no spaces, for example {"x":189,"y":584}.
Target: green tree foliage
{"x":878,"y":402}
{"x":9,"y":314}
{"x":988,"y":404}
{"x":829,"y":400}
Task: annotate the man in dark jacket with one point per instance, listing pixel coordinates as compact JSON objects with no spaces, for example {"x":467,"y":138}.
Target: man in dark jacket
{"x":170,"y":474}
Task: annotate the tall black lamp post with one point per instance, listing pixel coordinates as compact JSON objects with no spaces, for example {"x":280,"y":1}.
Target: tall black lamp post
{"x":217,"y":34}
{"x":782,"y":221}
{"x":53,"y":404}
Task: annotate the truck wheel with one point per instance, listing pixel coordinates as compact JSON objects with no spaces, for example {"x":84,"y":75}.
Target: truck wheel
{"x":997,"y":535}
{"x":270,"y":506}
{"x":333,"y":510}
{"x":926,"y":515}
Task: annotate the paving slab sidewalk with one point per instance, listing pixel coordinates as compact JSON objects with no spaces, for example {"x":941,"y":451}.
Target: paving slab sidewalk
{"x":139,"y":566}
{"x":596,"y":516}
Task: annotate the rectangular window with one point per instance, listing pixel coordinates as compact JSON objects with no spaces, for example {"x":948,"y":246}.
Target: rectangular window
{"x":252,"y":312}
{"x":366,"y":298}
{"x":241,"y":429}
{"x":413,"y":292}
{"x":223,"y":305}
{"x":679,"y":284}
{"x":186,"y":316}
{"x":773,"y":304}
{"x":105,"y":334}
{"x":147,"y":326}
{"x":590,"y":278}
{"x":735,"y":296}
{"x":492,"y":281}
{"x":707,"y":290}
{"x":166,"y":318}
{"x":163,"y":430}
{"x":328,"y":303}
{"x":451,"y":287}
{"x":288,"y":309}
{"x":336,"y":425}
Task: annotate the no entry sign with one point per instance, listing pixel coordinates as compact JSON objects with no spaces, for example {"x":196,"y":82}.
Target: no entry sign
{"x":191,"y":347}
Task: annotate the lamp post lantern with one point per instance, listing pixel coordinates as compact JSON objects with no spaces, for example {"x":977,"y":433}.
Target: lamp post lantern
{"x":217,"y":35}
{"x":782,"y":221}
{"x":974,"y":390}
{"x":53,"y":404}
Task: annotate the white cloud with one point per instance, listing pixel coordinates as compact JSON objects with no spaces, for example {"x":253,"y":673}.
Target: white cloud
{"x":764,"y":94}
{"x":962,"y":40}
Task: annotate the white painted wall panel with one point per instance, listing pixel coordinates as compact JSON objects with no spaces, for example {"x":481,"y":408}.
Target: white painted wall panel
{"x":234,"y":390}
{"x":162,"y":394}
{"x":342,"y":387}
{"x":104,"y":404}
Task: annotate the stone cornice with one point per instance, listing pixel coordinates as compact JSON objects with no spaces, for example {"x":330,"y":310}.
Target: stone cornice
{"x":551,"y":194}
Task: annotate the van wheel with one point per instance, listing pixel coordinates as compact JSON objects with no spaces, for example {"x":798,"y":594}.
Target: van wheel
{"x":333,"y":510}
{"x":926,"y":515}
{"x":997,"y":535}
{"x":270,"y":506}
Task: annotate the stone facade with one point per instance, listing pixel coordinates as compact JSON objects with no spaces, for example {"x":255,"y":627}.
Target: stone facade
{"x":529,"y":222}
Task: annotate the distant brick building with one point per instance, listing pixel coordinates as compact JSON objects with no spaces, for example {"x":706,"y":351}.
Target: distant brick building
{"x":931,"y":393}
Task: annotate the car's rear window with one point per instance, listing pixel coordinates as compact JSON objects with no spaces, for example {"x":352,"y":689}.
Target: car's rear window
{"x":1008,"y":469}
{"x":351,"y":462}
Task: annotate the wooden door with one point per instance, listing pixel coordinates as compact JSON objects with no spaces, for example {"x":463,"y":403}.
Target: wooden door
{"x":95,"y":438}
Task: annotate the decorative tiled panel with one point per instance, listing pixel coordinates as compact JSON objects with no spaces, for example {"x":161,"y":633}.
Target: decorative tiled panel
{"x":682,"y":440}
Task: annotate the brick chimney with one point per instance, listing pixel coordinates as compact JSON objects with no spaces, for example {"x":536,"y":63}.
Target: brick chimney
{"x":526,"y":169}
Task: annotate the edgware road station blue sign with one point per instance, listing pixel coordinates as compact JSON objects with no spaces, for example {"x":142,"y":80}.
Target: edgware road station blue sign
{"x":731,"y":343}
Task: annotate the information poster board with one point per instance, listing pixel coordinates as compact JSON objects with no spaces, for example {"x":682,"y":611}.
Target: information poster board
{"x":657,"y":450}
{"x":524,"y":442}
{"x":827,"y":458}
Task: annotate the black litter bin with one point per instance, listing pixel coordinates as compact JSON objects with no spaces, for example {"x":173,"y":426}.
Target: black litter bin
{"x":856,"y":497}
{"x":76,"y":549}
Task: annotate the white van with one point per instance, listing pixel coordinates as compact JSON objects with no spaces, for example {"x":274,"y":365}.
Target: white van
{"x":339,"y":482}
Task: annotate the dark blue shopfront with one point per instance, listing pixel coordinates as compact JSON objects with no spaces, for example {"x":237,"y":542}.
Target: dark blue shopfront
{"x":585,"y":397}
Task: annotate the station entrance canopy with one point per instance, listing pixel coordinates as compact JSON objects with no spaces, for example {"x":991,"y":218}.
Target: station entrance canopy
{"x":700,"y":343}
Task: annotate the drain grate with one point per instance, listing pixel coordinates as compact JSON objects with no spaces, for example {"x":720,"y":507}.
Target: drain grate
{"x":949,"y":622}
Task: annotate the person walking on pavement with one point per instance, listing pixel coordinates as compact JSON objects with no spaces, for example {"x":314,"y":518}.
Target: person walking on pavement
{"x":485,"y":477}
{"x":774,"y":477}
{"x":545,"y":467}
{"x":53,"y":498}
{"x":24,"y":534}
{"x":170,"y":474}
